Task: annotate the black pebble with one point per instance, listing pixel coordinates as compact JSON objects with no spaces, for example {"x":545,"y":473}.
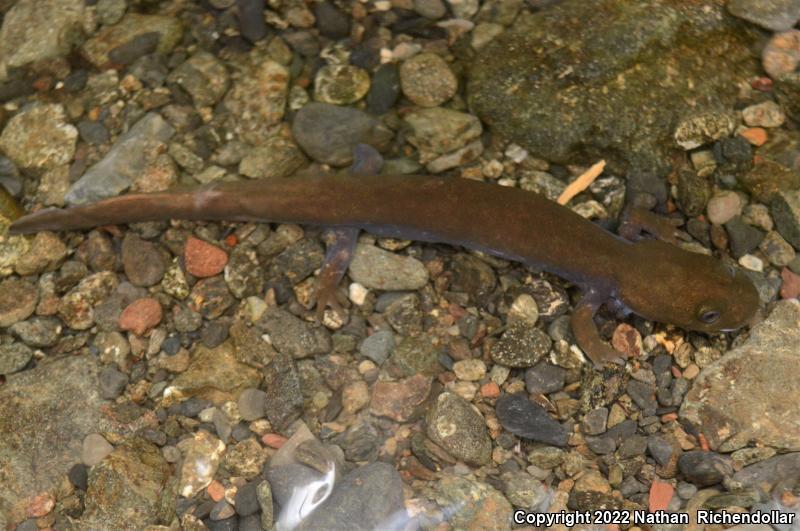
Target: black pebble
{"x":251,"y":19}
{"x":529,"y":420}
{"x":246,"y":500}
{"x":331,"y":21}
{"x":78,"y":476}
{"x":704,"y":469}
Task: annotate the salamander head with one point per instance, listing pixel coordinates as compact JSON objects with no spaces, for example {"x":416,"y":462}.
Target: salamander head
{"x":667,"y":284}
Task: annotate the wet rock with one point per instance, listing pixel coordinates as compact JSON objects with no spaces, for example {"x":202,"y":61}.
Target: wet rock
{"x":480,"y":505}
{"x":521,"y":345}
{"x":375,"y":268}
{"x":594,"y":422}
{"x":292,"y":336}
{"x":567,"y":105}
{"x":400,"y":400}
{"x":284,"y":400}
{"x":127,"y":487}
{"x":214,"y":374}
{"x":18,"y":299}
{"x":210,"y":297}
{"x":204,"y":77}
{"x":252,"y":25}
{"x":785,"y":210}
{"x":143,"y":262}
{"x":529,"y":420}
{"x":38,"y":137}
{"x":331,"y":21}
{"x":141,"y":316}
{"x":112,"y":383}
{"x":245,"y":459}
{"x":56,"y":401}
{"x":298,"y":261}
{"x":765,"y":114}
{"x":384,"y":90}
{"x":257,"y":98}
{"x":369,"y":497}
{"x":427,"y":80}
{"x":770,"y":472}
{"x":643,"y":395}
{"x":777,"y":250}
{"x":472,"y":276}
{"x":14,"y":357}
{"x":704,"y":468}
{"x":455,"y":425}
{"x":95,"y":448}
{"x":416,"y":354}
{"x":340,"y":84}
{"x":404,"y":314}
{"x":723,"y":207}
{"x":203,"y":259}
{"x":134,"y":36}
{"x":775,"y":15}
{"x":437,"y":131}
{"x":378,"y":346}
{"x":744,"y":238}
{"x":37,"y":331}
{"x":252,"y":404}
{"x":328,"y":133}
{"x":76,"y":308}
{"x":277,"y":158}
{"x":758,"y":377}
{"x":35,"y":30}
{"x":201,"y":457}
{"x":129,"y":158}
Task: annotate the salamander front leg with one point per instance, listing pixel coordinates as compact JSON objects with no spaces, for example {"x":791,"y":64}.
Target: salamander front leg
{"x":586,"y":333}
{"x":635,"y":220}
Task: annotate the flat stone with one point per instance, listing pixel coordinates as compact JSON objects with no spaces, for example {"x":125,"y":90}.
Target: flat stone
{"x":529,"y":420}
{"x":215,"y":375}
{"x":785,"y":210}
{"x":203,"y":259}
{"x":400,"y":400}
{"x":56,"y":401}
{"x":376,"y":268}
{"x":759,"y":378}
{"x":141,"y":316}
{"x":774,"y":15}
{"x":154,"y":33}
{"x":18,"y":299}
{"x":558,"y":88}
{"x":124,"y":162}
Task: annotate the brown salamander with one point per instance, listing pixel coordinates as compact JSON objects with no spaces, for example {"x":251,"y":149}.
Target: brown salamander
{"x":655,"y":279}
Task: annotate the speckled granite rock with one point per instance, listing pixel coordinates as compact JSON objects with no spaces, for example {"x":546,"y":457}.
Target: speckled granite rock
{"x":760,"y":378}
{"x":650,"y":59}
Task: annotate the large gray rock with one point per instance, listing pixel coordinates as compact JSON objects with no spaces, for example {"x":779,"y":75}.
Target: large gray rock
{"x":751,"y":393}
{"x":608,"y":79}
{"x":45,"y":413}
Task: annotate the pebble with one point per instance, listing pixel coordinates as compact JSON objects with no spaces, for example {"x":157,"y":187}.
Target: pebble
{"x":246,"y":499}
{"x":743,"y":238}
{"x":384,"y":89}
{"x":210,"y":298}
{"x":765,"y":114}
{"x":95,"y":448}
{"x":112,"y":383}
{"x":660,"y":449}
{"x":521,"y":345}
{"x":426,"y":80}
{"x":141,"y":315}
{"x":331,"y":21}
{"x":704,"y":128}
{"x":134,"y":36}
{"x":257,"y":99}
{"x":341,"y":84}
{"x":457,"y":427}
{"x":252,"y":404}
{"x":790,"y":285}
{"x":328,"y":133}
{"x":292,"y":336}
{"x":276,"y":158}
{"x":18,"y":299}
{"x":704,"y":469}
{"x":782,"y":53}
{"x":544,"y":378}
{"x":723,"y":207}
{"x":756,"y":136}
{"x":378,"y":346}
{"x":529,"y":420}
{"x":774,"y":15}
{"x":38,"y":331}
{"x":414,"y":355}
{"x":203,"y":76}
{"x":14,"y":357}
{"x":38,"y":137}
{"x":661,"y":494}
{"x":777,"y":250}
{"x":595,"y":421}
{"x":471,"y":370}
{"x":785,"y":211}
{"x":203,"y":259}
{"x":201,"y":457}
{"x":94,"y":133}
{"x":143,"y":262}
{"x":432,"y":9}
{"x":252,"y":25}
{"x":376,"y":268}
{"x":436,"y":131}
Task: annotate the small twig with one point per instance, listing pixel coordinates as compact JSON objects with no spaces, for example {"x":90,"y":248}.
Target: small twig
{"x":581,"y":183}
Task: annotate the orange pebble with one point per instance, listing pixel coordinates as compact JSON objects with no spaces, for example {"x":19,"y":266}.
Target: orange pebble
{"x":490,"y":390}
{"x":273,"y":440}
{"x":757,"y":136}
{"x":215,"y":490}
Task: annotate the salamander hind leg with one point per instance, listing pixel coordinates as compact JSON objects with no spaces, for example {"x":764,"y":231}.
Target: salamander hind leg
{"x":342,"y":244}
{"x":635,"y":220}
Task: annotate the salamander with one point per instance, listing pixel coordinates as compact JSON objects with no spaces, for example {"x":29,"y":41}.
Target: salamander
{"x":655,"y":279}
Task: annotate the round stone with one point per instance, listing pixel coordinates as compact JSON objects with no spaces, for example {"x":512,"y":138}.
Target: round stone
{"x":427,"y":80}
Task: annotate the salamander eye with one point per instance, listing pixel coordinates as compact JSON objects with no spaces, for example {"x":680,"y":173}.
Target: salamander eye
{"x":709,"y":316}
